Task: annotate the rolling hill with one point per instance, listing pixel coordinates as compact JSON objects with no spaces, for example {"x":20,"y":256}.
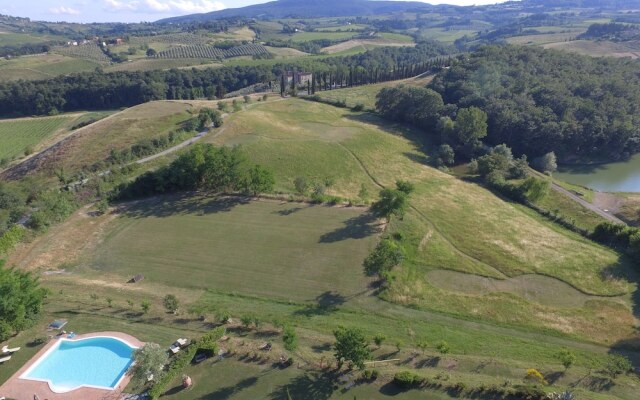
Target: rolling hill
{"x":308,"y":8}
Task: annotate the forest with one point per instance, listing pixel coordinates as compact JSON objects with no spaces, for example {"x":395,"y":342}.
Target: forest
{"x":538,"y":101}
{"x":98,"y":90}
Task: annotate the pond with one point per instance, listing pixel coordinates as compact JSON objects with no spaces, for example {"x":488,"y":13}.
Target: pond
{"x":621,"y":176}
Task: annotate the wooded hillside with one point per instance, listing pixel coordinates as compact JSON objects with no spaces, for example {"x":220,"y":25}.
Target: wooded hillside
{"x":539,"y":101}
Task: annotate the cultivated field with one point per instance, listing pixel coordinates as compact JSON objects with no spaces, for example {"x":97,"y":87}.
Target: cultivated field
{"x":18,"y":135}
{"x":595,"y":48}
{"x":309,"y":36}
{"x":43,"y":66}
{"x":362,"y":45}
{"x":94,"y":143}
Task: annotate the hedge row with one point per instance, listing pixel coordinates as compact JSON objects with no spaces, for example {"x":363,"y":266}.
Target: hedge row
{"x":181,"y":360}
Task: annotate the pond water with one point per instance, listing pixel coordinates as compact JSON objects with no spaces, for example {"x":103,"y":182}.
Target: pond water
{"x":614,"y":177}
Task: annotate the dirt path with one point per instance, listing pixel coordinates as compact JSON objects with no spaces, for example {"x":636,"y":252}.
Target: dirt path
{"x":606,"y":215}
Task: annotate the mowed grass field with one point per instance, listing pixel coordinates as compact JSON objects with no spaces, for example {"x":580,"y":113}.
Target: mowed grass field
{"x":366,"y":95}
{"x":309,"y":36}
{"x":17,"y":135}
{"x":452,"y":225}
{"x":279,"y":250}
{"x":300,"y":264}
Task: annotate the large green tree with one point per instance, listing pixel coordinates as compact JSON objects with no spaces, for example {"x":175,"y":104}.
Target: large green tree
{"x":391,"y":202}
{"x":150,"y":360}
{"x":383,"y":258}
{"x":351,"y":346}
{"x":471,"y":125}
{"x":21,"y":299}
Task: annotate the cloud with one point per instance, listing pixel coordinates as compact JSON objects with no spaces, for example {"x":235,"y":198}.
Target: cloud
{"x":116,"y":5}
{"x":194,"y":6}
{"x":164,"y":6}
{"x":64,"y":10}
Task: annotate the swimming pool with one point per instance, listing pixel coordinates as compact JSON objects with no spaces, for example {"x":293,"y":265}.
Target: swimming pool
{"x":97,"y":362}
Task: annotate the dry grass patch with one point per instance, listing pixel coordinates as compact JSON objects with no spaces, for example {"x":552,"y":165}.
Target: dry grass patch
{"x":94,"y":143}
{"x":595,"y":48}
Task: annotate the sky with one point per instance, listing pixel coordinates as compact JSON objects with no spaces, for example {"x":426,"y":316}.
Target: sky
{"x":136,"y":10}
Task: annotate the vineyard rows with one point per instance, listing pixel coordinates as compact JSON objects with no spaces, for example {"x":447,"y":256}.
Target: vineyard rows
{"x":201,"y":51}
{"x":171,"y":38}
{"x":18,"y":135}
{"x":246,"y":50}
{"x":89,"y":51}
{"x":197,"y":51}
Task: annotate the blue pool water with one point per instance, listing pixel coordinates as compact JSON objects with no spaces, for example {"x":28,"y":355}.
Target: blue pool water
{"x":68,"y":365}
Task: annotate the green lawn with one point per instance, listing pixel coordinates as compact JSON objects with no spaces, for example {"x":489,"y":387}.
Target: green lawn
{"x":454,"y":225}
{"x":19,"y":134}
{"x":396,"y":37}
{"x":309,"y":36}
{"x":366,"y":95}
{"x":301,"y":264}
{"x":293,"y":250}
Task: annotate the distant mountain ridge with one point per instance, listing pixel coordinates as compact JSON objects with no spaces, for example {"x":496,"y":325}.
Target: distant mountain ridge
{"x":308,"y":8}
{"x":363,"y":8}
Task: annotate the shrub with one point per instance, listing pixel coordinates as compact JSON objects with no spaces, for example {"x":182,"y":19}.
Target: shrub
{"x":460,"y":387}
{"x":10,"y":238}
{"x":617,"y":365}
{"x":567,"y":358}
{"x":535,"y":375}
{"x":443,"y":347}
{"x":223,"y":317}
{"x":290,"y":338}
{"x":171,"y":303}
{"x":370,"y":375}
{"x":406,"y":379}
{"x":181,"y":360}
{"x":358,"y":107}
{"x":383,"y":258}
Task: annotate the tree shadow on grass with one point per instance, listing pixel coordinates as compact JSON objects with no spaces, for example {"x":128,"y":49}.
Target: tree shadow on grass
{"x":182,"y":203}
{"x":289,"y":211}
{"x":359,"y":227}
{"x":228,"y":391}
{"x":625,"y":269}
{"x":312,"y":385}
{"x":325,"y":303}
{"x":321,"y":348}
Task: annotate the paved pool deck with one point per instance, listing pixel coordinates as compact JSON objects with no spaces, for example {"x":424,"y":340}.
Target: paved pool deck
{"x":25,"y":389}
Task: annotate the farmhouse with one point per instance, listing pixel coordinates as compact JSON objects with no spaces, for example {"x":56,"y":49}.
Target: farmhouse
{"x":300,"y":78}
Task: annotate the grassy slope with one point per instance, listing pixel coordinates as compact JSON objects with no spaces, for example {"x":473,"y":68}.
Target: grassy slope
{"x":366,"y":95}
{"x":43,"y":66}
{"x":385,"y":157}
{"x":455,"y":225}
{"x":94,"y":143}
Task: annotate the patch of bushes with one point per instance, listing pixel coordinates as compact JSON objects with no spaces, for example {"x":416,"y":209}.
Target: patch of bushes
{"x":370,"y":375}
{"x":10,"y":238}
{"x":340,"y":103}
{"x":203,"y":167}
{"x":621,"y":237}
{"x":208,"y":342}
{"x":407,"y":380}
